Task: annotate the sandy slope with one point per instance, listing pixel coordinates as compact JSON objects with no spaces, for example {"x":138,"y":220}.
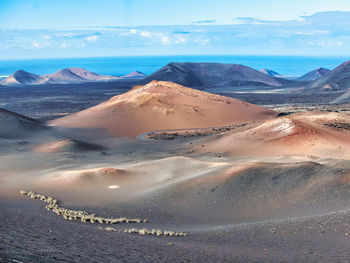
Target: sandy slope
{"x":164,"y":105}
{"x":297,"y":134}
{"x":206,"y":191}
{"x":255,"y":209}
{"x":275,"y":195}
{"x":133,"y":181}
{"x":64,"y":145}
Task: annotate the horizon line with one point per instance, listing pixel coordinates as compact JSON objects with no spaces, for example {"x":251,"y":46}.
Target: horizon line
{"x":183,"y":55}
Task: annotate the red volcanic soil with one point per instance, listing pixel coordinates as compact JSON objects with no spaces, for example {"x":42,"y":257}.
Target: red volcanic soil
{"x":162,"y":105}
{"x":309,"y":133}
{"x":87,"y":178}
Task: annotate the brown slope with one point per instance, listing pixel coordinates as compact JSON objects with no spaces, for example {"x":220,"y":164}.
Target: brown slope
{"x":320,"y":134}
{"x":162,"y":105}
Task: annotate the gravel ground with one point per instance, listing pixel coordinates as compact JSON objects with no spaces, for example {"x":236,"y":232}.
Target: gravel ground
{"x":28,"y":233}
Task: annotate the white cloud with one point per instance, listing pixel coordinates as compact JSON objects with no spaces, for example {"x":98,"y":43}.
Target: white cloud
{"x":65,"y":34}
{"x":319,"y":35}
{"x":326,"y":43}
{"x":202,"y":41}
{"x":36,"y":44}
{"x":180,"y":40}
{"x":146,"y":34}
{"x":165,"y":40}
{"x":92,"y":38}
{"x":318,"y":32}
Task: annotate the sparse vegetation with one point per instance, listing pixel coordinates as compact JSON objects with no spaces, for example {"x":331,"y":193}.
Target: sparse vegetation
{"x":155,"y":232}
{"x":83,"y":216}
{"x":110,"y":229}
{"x":339,"y":125}
{"x":182,"y":134}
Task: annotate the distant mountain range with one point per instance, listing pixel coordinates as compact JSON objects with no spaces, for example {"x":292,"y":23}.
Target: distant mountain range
{"x":213,"y":75}
{"x":64,"y":76}
{"x":308,"y":77}
{"x":22,"y":77}
{"x":200,"y":76}
{"x":314,"y":74}
{"x":135,"y":75}
{"x":335,"y":80}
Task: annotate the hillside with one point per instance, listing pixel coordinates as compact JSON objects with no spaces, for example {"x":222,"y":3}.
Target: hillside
{"x":213,"y":75}
{"x":314,"y":74}
{"x":162,"y":105}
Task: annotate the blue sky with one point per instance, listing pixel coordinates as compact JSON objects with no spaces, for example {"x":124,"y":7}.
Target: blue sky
{"x":43,"y":28}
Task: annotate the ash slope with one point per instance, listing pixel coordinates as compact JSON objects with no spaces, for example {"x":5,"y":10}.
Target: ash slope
{"x":13,"y":125}
{"x":213,"y":75}
{"x":344,"y":98}
{"x":163,"y":106}
{"x":334,"y":81}
{"x":314,"y":74}
{"x":21,"y":77}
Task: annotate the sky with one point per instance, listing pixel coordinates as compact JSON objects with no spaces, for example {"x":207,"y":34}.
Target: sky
{"x":81,"y":28}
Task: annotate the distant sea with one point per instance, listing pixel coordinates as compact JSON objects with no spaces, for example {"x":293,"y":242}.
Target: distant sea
{"x":285,"y":65}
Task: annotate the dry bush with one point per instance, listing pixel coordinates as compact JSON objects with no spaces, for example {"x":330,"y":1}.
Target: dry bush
{"x":83,"y":216}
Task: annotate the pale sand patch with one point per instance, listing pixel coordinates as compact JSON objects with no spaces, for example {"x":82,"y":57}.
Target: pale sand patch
{"x":113,"y":186}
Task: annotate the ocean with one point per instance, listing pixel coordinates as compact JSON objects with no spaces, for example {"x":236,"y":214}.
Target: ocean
{"x":284,"y":65}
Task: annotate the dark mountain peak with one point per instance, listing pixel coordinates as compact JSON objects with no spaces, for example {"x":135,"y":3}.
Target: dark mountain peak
{"x":65,"y":75}
{"x":22,"y":73}
{"x":323,"y":71}
{"x":139,"y":72}
{"x":22,"y":77}
{"x":136,"y":75}
{"x":212,"y":74}
{"x":335,"y":80}
{"x":314,"y":74}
